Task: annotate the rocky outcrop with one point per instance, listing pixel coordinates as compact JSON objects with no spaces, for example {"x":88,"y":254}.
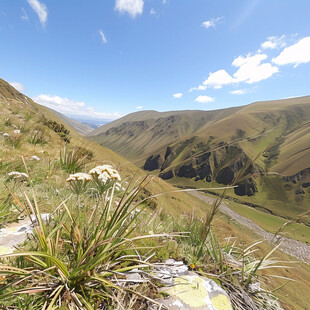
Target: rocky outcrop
{"x":246,"y":188}
{"x":305,"y":184}
{"x":153,"y":163}
{"x":186,"y":289}
{"x":193,"y":292}
{"x":221,"y":165}
{"x":303,"y":175}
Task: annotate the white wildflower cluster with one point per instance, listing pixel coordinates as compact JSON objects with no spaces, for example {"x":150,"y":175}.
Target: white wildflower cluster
{"x":104,"y":173}
{"x":101,"y":177}
{"x":79,"y":177}
{"x":17,"y":175}
{"x":17,"y":131}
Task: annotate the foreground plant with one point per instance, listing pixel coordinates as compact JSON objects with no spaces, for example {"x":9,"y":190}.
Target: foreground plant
{"x":76,"y":259}
{"x":238,"y":270}
{"x":78,"y":182}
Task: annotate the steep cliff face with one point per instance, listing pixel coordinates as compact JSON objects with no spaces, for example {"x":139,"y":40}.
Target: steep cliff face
{"x":222,"y":165}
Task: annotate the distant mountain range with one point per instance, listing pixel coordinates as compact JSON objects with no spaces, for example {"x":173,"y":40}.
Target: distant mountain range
{"x":92,"y":122}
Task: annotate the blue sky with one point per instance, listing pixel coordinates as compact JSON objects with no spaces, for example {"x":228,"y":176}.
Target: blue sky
{"x":107,"y":58}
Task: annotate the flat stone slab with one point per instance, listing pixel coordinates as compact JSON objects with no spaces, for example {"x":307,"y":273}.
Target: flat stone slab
{"x":193,"y":292}
{"x":16,"y":233}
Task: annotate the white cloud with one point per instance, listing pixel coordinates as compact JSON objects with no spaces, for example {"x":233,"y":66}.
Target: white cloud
{"x":139,"y":107}
{"x":251,"y":70}
{"x":296,"y":54}
{"x":104,"y":39}
{"x":238,"y":92}
{"x":200,"y":87}
{"x":71,"y":107}
{"x":274,"y":42}
{"x":152,"y":11}
{"x":164,"y":2}
{"x":211,"y":23}
{"x":132,"y":7}
{"x":177,"y":95}
{"x":218,"y":79}
{"x":40,"y":9}
{"x":18,"y":86}
{"x":25,"y":15}
{"x":204,"y":99}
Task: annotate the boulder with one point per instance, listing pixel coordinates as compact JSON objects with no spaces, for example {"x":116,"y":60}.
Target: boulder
{"x":194,"y":292}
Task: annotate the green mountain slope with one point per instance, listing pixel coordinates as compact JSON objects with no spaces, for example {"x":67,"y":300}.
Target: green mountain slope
{"x":208,"y":148}
{"x":140,"y":134}
{"x":20,"y":113}
{"x":28,"y":129}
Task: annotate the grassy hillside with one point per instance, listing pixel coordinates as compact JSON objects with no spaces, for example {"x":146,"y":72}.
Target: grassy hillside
{"x":28,"y":129}
{"x":210,"y":147}
{"x":81,"y":128}
{"x":38,"y":138}
{"x":140,"y":134}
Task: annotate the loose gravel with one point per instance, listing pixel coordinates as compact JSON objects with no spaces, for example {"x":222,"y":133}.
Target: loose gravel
{"x":289,"y":246}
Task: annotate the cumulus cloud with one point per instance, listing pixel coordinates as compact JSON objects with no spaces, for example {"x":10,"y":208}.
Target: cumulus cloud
{"x":177,"y":95}
{"x":238,"y":92}
{"x":40,"y":9}
{"x":218,"y":79}
{"x":104,"y":39}
{"x":204,"y":99}
{"x":139,"y":107}
{"x":71,"y":107}
{"x":295,"y":54}
{"x":211,"y":23}
{"x":132,"y":7}
{"x":274,"y":42}
{"x":251,"y":69}
{"x":200,"y":87}
{"x":18,"y":86}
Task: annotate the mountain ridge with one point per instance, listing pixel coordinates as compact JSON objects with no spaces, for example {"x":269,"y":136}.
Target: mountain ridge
{"x":209,"y":148}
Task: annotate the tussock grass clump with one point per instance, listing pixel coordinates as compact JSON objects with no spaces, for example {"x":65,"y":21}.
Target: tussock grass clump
{"x":14,"y":140}
{"x":38,"y":137}
{"x":78,"y":258}
{"x":72,"y":160}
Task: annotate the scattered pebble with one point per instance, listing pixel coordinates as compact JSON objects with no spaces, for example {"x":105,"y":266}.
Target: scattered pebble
{"x":34,"y":157}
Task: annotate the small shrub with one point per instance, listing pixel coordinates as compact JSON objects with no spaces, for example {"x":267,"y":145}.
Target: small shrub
{"x":58,"y":128}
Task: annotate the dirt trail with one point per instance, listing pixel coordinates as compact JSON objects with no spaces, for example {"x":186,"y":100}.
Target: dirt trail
{"x":289,"y":246}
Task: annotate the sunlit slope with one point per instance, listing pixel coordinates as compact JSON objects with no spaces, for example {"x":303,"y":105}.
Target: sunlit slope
{"x":20,"y":114}
{"x":81,"y":128}
{"x":139,"y":134}
{"x":259,"y":129}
